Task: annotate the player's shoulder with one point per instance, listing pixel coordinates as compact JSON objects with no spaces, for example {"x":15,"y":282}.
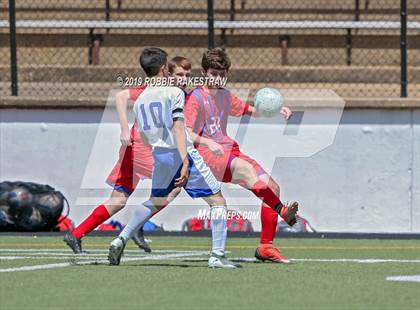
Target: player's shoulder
{"x":225,"y":91}
{"x":135,"y":92}
{"x":195,"y":94}
{"x":199,"y":90}
{"x":174,"y":90}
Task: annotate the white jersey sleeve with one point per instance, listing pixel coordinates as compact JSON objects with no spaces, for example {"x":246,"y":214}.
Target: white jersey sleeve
{"x":177,"y":105}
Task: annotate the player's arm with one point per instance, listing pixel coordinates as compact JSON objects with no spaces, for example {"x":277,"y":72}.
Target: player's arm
{"x":239,"y":108}
{"x":286,"y":112}
{"x":251,"y":111}
{"x":121,"y":102}
{"x":178,"y":131}
{"x":213,"y":146}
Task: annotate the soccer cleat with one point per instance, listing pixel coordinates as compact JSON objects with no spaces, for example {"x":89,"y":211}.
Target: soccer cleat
{"x":116,"y":251}
{"x":218,"y":261}
{"x":288,"y":212}
{"x":141,"y":242}
{"x":269,"y":252}
{"x":74,"y":243}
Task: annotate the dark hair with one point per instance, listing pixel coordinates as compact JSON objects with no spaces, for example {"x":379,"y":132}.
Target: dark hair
{"x":151,"y":59}
{"x":215,"y":58}
{"x":178,"y":61}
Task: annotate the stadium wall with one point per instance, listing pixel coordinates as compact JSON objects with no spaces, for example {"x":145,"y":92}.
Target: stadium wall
{"x":367,"y":180}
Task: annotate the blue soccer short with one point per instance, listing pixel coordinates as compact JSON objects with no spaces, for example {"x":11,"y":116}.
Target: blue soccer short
{"x":167,"y":167}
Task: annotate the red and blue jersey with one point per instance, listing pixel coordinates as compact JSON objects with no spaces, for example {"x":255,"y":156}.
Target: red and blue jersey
{"x":207,"y":114}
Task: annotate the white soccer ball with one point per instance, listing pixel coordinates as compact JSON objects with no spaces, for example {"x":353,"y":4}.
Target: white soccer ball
{"x":268,"y":101}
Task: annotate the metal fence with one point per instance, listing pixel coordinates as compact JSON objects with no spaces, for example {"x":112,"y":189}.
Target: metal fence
{"x":359,"y":48}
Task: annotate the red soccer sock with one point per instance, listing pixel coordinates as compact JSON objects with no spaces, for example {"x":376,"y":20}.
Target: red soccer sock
{"x":261,"y":190}
{"x":97,"y":217}
{"x":269,"y":219}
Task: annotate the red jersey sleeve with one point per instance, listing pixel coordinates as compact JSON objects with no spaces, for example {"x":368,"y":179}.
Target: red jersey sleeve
{"x":237,"y":106}
{"x":192,"y":113}
{"x":135,"y":92}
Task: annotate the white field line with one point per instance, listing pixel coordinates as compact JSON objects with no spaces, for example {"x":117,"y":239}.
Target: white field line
{"x":12,"y":257}
{"x":67,"y":251}
{"x":36,"y":267}
{"x":72,"y":257}
{"x":69,"y":258}
{"x":90,"y":262}
{"x":415,"y":278}
{"x":357,"y":260}
{"x":321,"y":260}
{"x":38,"y":250}
{"x":137,"y":254}
{"x":101,"y":253}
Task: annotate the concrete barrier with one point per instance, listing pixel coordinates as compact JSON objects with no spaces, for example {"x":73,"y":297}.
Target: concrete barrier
{"x":367,"y":180}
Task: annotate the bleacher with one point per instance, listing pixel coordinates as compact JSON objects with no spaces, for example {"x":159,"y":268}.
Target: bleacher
{"x":355,"y":61}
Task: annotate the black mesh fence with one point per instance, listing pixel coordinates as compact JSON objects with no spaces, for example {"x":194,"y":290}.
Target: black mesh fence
{"x":319,"y":50}
{"x":78,"y":48}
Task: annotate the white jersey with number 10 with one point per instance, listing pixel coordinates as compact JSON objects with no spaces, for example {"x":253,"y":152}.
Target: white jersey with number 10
{"x":155,"y":110}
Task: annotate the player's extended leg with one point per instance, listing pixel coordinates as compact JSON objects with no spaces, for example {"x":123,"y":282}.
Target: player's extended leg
{"x":202,"y":183}
{"x":218,"y":218}
{"x":140,"y":216}
{"x":138,"y":237}
{"x":269,"y":219}
{"x":99,"y":215}
{"x":244,"y":172}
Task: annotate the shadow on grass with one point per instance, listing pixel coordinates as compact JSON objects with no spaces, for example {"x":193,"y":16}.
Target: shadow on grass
{"x":166,"y":265}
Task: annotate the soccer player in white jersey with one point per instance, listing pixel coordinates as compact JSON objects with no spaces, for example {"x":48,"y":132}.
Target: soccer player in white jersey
{"x":159,"y":112}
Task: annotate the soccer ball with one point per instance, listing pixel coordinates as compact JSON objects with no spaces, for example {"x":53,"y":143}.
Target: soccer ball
{"x":268,"y":101}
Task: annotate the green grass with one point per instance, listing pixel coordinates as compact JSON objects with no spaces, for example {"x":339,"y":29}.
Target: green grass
{"x":187,"y":283}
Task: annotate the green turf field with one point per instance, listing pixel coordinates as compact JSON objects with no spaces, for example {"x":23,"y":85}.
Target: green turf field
{"x":326,"y":274}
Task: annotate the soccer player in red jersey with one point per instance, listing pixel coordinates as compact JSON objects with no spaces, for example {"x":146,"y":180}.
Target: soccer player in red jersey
{"x":134,"y":164}
{"x":206,"y":111}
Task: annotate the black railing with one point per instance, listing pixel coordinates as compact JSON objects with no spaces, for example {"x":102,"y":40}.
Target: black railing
{"x":210,"y":19}
{"x":403,"y":43}
{"x":13,"y":52}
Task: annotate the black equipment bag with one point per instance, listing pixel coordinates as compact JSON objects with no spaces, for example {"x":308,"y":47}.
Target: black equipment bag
{"x":26,"y":206}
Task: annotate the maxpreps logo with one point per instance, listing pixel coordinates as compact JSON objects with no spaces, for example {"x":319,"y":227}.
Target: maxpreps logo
{"x":231,"y":215}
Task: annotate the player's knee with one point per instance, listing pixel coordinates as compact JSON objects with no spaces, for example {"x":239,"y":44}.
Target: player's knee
{"x":117,"y":201}
{"x":114,"y":208}
{"x":245,"y":169}
{"x":275,"y":188}
{"x":217,"y":200}
{"x":172,"y":195}
{"x":120,"y":202}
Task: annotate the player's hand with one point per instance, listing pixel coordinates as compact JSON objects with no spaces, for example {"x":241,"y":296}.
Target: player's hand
{"x":216,"y":148}
{"x":183,"y":178}
{"x":286,"y":112}
{"x":125,"y":137}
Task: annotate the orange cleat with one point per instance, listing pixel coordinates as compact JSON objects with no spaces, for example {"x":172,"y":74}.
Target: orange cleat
{"x":269,"y":252}
{"x":288,"y":213}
